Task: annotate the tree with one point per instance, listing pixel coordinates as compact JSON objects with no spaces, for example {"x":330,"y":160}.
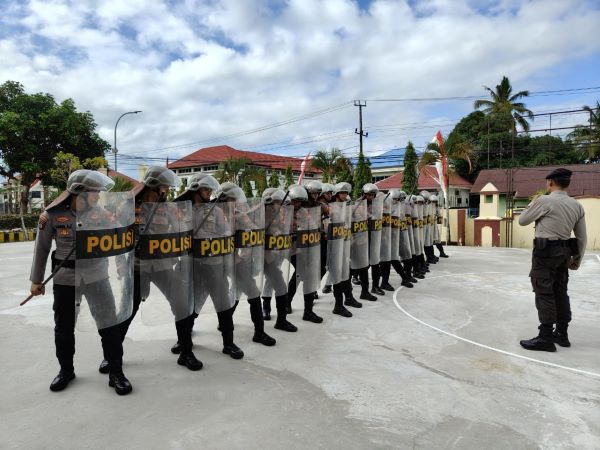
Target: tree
{"x":288,"y":177}
{"x":274,"y":179}
{"x":232,"y":169}
{"x":409,"y":179}
{"x":362,"y":174}
{"x":64,"y":165}
{"x":504,"y":105}
{"x":34,"y":128}
{"x":327,"y":162}
{"x":587,"y":137}
{"x":261,"y":181}
{"x":121,"y":184}
{"x":343,"y":171}
{"x":247,"y":187}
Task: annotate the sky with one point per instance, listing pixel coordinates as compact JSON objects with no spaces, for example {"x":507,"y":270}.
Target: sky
{"x":211,"y":72}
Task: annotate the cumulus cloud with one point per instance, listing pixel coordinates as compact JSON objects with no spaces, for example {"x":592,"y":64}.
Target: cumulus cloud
{"x":201,"y":69}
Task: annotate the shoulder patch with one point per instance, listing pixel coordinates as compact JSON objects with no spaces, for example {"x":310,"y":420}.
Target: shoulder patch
{"x":43,"y":220}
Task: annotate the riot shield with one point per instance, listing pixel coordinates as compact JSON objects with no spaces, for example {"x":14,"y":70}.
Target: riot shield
{"x":375,"y":227}
{"x":436,"y":227}
{"x":385,"y":251}
{"x":213,"y":251}
{"x":406,"y":245}
{"x":427,"y":238}
{"x":413,"y":228}
{"x":359,"y":251}
{"x":165,"y":261}
{"x":336,"y":234}
{"x":249,"y":248}
{"x":278,"y":244}
{"x":104,"y":257}
{"x":347,"y":242}
{"x":420,"y":228}
{"x":308,"y":248}
{"x":395,"y":225}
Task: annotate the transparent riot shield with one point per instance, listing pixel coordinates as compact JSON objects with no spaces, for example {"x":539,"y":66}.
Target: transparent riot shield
{"x":213,"y":251}
{"x":385,"y":250}
{"x":375,"y":228}
{"x":427,"y":238}
{"x":395,"y":224}
{"x":249,"y":217}
{"x":336,"y":234}
{"x":406,"y":250}
{"x":411,"y":232}
{"x":104,"y":258}
{"x":347,"y":242}
{"x":359,"y":251}
{"x":436,"y":226}
{"x":278,"y":244}
{"x":165,"y":261}
{"x":308,"y":248}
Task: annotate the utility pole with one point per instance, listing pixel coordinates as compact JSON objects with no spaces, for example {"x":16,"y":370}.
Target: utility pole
{"x":359,"y":130}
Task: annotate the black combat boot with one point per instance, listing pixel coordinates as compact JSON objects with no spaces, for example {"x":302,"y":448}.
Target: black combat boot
{"x":266,"y":307}
{"x":440,"y":247}
{"x":259,"y":325}
{"x":339,"y":303}
{"x":62,"y":380}
{"x":377,"y":290}
{"x":560,"y":335}
{"x":104,"y":367}
{"x":281,"y":303}
{"x":350,"y":300}
{"x":226,"y":324}
{"x":542,"y":342}
{"x":408,"y":269}
{"x":184,"y":340}
{"x":117,"y":379}
{"x":309,"y":315}
{"x":327,"y":289}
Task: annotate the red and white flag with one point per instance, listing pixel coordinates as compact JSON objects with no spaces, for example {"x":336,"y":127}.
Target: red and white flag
{"x":303,"y":167}
{"x":442,"y":164}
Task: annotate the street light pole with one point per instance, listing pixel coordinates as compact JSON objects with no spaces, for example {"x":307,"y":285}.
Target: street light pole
{"x":115,"y":151}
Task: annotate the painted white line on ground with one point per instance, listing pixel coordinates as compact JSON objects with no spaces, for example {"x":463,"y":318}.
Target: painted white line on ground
{"x":487,"y":347}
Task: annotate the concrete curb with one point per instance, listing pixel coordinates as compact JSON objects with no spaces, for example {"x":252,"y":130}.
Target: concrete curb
{"x":16,"y":236}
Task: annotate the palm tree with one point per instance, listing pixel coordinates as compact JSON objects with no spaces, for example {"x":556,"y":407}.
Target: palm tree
{"x":327,"y":162}
{"x":588,"y":136}
{"x":464,"y":150}
{"x":231,"y":170}
{"x":504,"y":104}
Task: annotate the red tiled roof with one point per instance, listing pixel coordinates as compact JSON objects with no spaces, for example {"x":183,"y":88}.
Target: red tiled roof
{"x":529,"y":180}
{"x":216,"y":155}
{"x":427,"y":180}
{"x":112,"y":174}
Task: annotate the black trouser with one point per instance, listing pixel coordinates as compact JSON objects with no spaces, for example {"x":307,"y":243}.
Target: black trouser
{"x":549,"y":279}
{"x":292,"y":286}
{"x":137,"y":299}
{"x":385,"y":269}
{"x":226,"y":325}
{"x":64,"y":329}
{"x":323,"y":256}
{"x":375,"y":275}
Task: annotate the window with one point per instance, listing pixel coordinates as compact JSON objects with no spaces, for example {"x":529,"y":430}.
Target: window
{"x":457,"y":192}
{"x":197,"y":169}
{"x":210,"y":168}
{"x":185,"y":170}
{"x":489,"y":199}
{"x":459,"y":201}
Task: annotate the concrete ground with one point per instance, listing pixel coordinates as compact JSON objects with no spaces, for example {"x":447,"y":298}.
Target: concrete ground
{"x":387,"y":378}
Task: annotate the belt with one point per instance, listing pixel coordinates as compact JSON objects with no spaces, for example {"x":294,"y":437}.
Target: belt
{"x":66,"y":263}
{"x":552,"y":242}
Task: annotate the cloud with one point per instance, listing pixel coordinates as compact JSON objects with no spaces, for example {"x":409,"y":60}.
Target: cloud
{"x":203,"y":69}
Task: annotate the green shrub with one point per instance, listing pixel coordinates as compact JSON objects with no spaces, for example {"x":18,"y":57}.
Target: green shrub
{"x":12,"y":221}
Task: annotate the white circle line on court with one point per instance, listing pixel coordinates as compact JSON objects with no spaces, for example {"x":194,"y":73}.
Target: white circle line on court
{"x":487,"y":347}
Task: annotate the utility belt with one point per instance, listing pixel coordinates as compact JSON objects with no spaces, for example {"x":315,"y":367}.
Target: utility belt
{"x":66,"y":264}
{"x":546,"y":247}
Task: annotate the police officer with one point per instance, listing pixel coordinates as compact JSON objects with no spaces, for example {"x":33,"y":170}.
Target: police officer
{"x":58,"y":222}
{"x":277,"y":258}
{"x":341,"y":192}
{"x":153,"y":189}
{"x":315,"y":198}
{"x":325,"y":198}
{"x":428,"y":228}
{"x":212,"y":273}
{"x":554,"y":253}
{"x":370,"y":191}
{"x":437,"y":220}
{"x":298,"y":198}
{"x":246,"y":258}
{"x":396,"y":195}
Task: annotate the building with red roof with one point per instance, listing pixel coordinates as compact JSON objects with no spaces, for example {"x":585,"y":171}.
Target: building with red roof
{"x":208,"y":160}
{"x":458,"y":195}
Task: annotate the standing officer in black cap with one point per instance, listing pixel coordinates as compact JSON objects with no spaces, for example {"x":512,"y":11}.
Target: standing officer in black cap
{"x":555,"y":215}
